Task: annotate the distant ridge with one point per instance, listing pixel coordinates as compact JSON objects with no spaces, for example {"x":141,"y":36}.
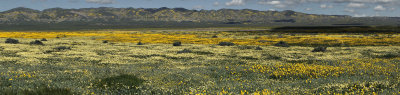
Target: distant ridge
{"x":104,"y":16}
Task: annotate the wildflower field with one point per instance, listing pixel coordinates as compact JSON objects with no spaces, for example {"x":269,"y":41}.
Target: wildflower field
{"x":111,"y":62}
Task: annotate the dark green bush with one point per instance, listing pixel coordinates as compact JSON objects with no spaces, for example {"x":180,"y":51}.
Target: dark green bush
{"x":185,"y":51}
{"x":43,"y":39}
{"x":319,"y":49}
{"x":177,"y":44}
{"x":36,"y":42}
{"x":140,"y":43}
{"x":12,"y":41}
{"x":121,"y":81}
{"x":244,"y":47}
{"x":281,"y":44}
{"x":259,"y":48}
{"x":226,"y":44}
{"x":62,"y":48}
{"x":389,"y":55}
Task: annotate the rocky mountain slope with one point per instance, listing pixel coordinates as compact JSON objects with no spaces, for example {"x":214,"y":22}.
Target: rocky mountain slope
{"x":143,"y":16}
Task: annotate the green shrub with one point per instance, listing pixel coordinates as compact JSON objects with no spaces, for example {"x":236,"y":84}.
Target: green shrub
{"x":36,"y":42}
{"x":43,"y":39}
{"x":139,"y":43}
{"x":281,"y":44}
{"x":105,"y":41}
{"x":177,"y":44}
{"x":120,"y":81}
{"x":244,"y":47}
{"x":319,"y":49}
{"x":259,"y":48}
{"x":389,"y":55}
{"x":11,"y":41}
{"x":226,"y":44}
{"x":62,"y":48}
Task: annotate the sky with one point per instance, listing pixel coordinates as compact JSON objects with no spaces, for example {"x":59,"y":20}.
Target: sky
{"x":357,"y":8}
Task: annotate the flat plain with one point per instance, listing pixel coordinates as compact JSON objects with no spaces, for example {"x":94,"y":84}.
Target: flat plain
{"x":111,"y":62}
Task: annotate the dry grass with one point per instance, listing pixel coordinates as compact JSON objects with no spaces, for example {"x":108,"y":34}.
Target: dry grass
{"x":207,"y":69}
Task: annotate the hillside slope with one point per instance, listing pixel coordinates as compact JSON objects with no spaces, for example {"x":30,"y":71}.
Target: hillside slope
{"x":171,"y":16}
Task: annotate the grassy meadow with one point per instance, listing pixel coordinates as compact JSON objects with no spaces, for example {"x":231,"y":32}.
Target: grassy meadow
{"x":111,"y":62}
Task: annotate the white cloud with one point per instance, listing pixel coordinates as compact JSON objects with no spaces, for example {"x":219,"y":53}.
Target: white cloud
{"x":349,"y":1}
{"x":101,"y":1}
{"x":280,"y":6}
{"x":308,"y":9}
{"x":324,"y":6}
{"x":334,"y":1}
{"x":328,"y":3}
{"x":349,"y":10}
{"x":379,"y":8}
{"x":356,"y":5}
{"x":216,"y":3}
{"x":235,"y":3}
{"x":349,"y":6}
{"x":273,"y":2}
{"x":277,"y":4}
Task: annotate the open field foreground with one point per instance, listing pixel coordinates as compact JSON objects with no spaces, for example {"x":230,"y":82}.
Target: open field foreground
{"x":82,"y":63}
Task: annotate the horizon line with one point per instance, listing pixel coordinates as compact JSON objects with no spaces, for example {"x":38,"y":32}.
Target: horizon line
{"x":189,"y":9}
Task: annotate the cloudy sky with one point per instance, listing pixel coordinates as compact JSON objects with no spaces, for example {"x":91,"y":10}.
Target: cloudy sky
{"x":331,"y":7}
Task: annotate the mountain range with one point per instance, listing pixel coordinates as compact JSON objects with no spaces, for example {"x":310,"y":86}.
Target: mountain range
{"x":104,"y":16}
